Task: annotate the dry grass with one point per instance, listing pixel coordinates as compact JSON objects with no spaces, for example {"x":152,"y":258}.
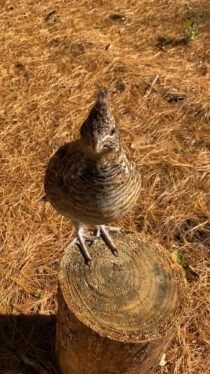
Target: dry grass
{"x":52,"y":65}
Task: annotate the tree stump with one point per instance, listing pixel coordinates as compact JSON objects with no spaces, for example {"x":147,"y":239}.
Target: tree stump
{"x":119,"y":315}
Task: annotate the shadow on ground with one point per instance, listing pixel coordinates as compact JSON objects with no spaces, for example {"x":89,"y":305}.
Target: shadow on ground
{"x":27,"y":344}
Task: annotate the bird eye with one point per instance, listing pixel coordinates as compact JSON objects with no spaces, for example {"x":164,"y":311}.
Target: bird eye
{"x":112,"y":131}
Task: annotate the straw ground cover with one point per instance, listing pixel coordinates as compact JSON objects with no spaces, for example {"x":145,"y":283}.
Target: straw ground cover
{"x":54,"y":58}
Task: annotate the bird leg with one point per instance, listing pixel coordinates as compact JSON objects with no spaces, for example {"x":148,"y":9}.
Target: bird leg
{"x":103,"y":231}
{"x":80,"y":241}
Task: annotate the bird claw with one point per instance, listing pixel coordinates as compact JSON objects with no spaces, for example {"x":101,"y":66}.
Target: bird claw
{"x":115,"y":252}
{"x":88,"y":262}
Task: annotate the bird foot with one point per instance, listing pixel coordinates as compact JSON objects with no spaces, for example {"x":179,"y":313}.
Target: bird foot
{"x":75,"y":241}
{"x":103,"y":231}
{"x":81,"y":244}
{"x":107,"y":228}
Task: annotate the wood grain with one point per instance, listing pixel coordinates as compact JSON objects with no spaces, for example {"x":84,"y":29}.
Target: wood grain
{"x":134,"y":299}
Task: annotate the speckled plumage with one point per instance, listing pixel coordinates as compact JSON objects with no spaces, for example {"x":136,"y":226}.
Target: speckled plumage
{"x":87,"y":183}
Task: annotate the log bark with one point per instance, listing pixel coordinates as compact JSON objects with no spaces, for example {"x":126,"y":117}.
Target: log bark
{"x":119,"y":315}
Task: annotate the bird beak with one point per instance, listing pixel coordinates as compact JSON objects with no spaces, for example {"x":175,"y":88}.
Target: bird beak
{"x":97,"y":146}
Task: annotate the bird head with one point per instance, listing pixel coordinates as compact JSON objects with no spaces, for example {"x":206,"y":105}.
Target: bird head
{"x":99,"y":132}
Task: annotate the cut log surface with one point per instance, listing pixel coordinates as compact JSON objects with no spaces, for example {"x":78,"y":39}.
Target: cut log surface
{"x":135,"y":299}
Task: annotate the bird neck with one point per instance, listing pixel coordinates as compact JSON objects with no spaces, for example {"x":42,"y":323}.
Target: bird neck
{"x":103,"y":157}
{"x":109,"y":157}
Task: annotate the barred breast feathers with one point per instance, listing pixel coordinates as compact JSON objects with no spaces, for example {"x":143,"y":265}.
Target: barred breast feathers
{"x":75,"y":184}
